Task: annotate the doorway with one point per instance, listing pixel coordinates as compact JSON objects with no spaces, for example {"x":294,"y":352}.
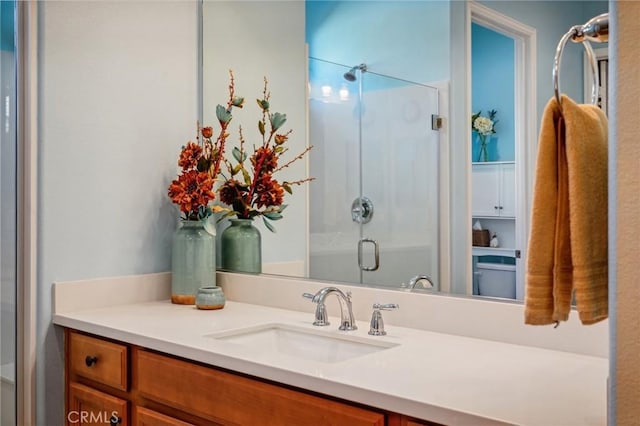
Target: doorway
{"x":511,"y":180}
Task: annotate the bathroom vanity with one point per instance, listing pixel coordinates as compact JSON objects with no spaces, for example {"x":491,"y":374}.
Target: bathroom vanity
{"x":138,"y":386}
{"x":154,"y":363}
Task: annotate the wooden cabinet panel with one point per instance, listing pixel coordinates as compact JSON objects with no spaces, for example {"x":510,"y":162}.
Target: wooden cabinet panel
{"x":145,"y":417}
{"x":98,"y":360}
{"x":228,"y":398}
{"x":88,"y":407}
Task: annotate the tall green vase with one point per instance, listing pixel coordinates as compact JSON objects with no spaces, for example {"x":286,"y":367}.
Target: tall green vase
{"x":193,"y":261}
{"x":241,"y":247}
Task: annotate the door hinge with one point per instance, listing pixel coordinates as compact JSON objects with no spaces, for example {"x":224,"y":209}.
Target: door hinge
{"x":436,"y":122}
{"x":517,"y":254}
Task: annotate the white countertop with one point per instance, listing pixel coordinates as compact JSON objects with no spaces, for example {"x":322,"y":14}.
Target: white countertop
{"x":433,"y":376}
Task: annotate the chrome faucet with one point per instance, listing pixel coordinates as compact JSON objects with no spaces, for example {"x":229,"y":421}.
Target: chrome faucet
{"x":347,"y":321}
{"x":415,"y":280}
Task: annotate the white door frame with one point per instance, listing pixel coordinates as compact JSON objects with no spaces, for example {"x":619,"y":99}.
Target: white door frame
{"x":525,"y":118}
{"x":27,"y":204}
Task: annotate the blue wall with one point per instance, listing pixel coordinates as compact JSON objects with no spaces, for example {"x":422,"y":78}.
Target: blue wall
{"x":552,"y":19}
{"x":7,"y":25}
{"x":492,"y":82}
{"x":404,"y":39}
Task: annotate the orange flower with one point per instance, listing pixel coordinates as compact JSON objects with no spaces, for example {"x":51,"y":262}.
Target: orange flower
{"x":207,"y":132}
{"x":268,"y":192}
{"x":231,"y":191}
{"x":189,"y":156}
{"x":266,"y":157}
{"x":191,"y":191}
{"x":280,"y":139}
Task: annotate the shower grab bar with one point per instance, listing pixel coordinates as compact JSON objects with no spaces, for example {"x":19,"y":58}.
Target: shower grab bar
{"x":596,"y":30}
{"x":376,"y":255}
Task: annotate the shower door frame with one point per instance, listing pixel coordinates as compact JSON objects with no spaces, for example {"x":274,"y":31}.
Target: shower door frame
{"x":27,"y":178}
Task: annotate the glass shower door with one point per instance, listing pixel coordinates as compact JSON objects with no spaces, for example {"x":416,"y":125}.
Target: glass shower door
{"x":334,"y":163}
{"x":399,"y":179}
{"x":375,"y":160}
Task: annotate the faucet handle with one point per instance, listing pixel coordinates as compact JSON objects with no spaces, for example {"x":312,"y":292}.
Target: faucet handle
{"x":386,"y":306}
{"x":377,"y":324}
{"x":321,"y":317}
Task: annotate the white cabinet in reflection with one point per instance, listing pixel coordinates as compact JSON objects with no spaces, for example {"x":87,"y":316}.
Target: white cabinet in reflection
{"x":494,"y":187}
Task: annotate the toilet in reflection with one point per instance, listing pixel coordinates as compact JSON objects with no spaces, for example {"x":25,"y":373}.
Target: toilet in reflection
{"x":496,"y":280}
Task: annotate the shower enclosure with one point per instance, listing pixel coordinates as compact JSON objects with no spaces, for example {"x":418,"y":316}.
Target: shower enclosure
{"x":374,"y":203}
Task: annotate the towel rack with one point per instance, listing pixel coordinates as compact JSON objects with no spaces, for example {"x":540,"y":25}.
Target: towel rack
{"x":595,"y":30}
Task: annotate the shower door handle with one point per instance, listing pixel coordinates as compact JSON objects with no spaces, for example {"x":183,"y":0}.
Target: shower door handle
{"x":376,"y":255}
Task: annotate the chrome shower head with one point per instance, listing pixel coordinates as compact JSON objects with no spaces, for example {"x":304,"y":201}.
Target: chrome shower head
{"x":351,"y":74}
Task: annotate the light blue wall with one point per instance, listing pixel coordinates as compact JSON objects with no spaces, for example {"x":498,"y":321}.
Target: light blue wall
{"x":404,"y":39}
{"x":116,"y":102}
{"x":552,"y":19}
{"x":492,"y":82}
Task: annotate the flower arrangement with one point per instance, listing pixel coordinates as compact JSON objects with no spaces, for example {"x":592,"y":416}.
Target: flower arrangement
{"x":484,"y":126}
{"x":200,"y":164}
{"x":250,"y":189}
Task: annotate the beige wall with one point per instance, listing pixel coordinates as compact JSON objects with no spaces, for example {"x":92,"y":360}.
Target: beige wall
{"x":626,"y":332}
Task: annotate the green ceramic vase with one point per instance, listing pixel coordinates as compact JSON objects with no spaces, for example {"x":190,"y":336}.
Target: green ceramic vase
{"x":241,"y":247}
{"x":210,"y":298}
{"x":193,"y":261}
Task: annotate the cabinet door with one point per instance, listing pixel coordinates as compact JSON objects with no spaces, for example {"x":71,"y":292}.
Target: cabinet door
{"x":145,"y":417}
{"x":88,"y":406}
{"x":99,"y":360}
{"x":226,"y":398}
{"x":508,"y":190}
{"x":485,"y":184}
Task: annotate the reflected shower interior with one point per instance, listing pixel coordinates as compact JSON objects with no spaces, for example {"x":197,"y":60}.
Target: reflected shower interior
{"x":372,"y":141}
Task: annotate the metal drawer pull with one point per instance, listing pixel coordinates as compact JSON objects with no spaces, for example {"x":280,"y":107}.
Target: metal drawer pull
{"x":90,"y":360}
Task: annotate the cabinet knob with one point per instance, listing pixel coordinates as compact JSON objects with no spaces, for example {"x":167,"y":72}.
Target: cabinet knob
{"x":501,"y":207}
{"x":115,"y":420}
{"x":495,"y":207}
{"x":90,"y":360}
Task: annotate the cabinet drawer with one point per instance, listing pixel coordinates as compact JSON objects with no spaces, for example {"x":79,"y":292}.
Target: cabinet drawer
{"x":88,"y":406}
{"x":99,"y":360}
{"x":227,"y":398}
{"x":145,"y":417}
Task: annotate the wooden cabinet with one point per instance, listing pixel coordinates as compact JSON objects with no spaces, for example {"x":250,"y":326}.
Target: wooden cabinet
{"x":99,"y":360}
{"x":154,"y":389}
{"x":493,"y":190}
{"x":229,"y":398}
{"x":145,"y":417}
{"x":87,"y":406}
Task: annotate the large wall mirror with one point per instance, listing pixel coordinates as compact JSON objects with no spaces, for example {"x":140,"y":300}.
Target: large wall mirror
{"x":367,"y":83}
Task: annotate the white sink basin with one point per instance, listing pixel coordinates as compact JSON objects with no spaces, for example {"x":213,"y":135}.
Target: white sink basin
{"x":302,"y":343}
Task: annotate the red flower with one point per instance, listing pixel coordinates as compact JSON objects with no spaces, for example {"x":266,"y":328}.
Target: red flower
{"x":268,"y":192}
{"x":231,"y":191}
{"x":266,"y":157}
{"x":189,"y":156}
{"x":191,"y":191}
{"x":207,"y":132}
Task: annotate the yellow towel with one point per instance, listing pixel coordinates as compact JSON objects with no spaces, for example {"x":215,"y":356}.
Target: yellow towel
{"x":568,"y":239}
